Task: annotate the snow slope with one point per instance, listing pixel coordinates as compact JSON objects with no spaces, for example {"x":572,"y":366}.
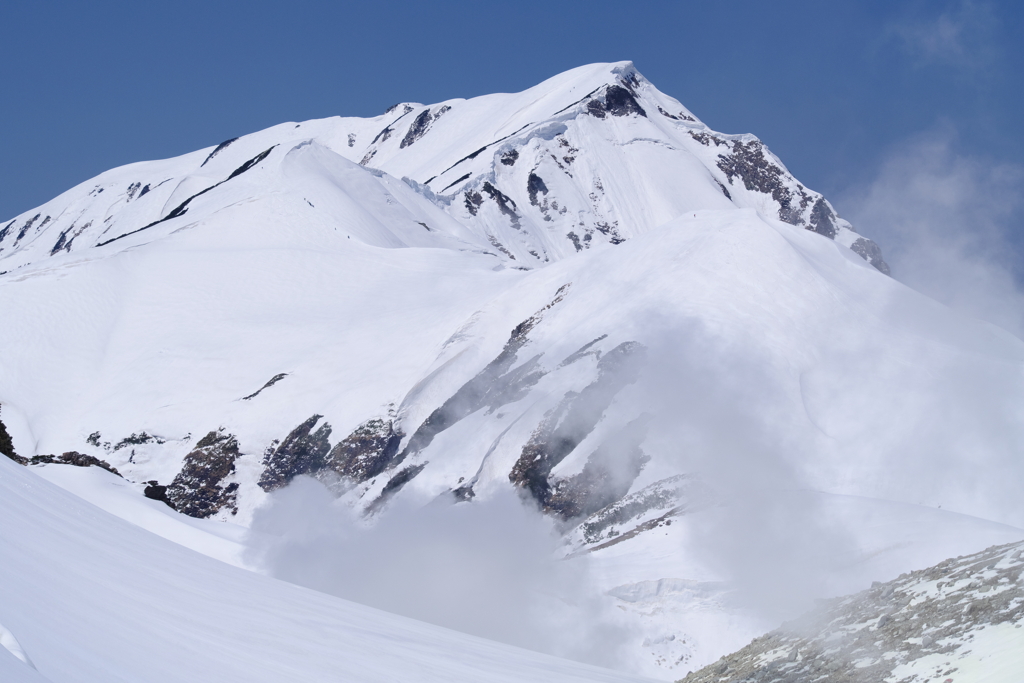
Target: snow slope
{"x":92,"y":598}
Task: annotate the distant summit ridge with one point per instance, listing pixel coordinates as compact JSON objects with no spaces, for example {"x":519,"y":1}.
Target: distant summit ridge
{"x":592,"y":156}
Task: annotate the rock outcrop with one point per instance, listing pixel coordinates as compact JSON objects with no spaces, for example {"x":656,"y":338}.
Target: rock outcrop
{"x":199,"y":489}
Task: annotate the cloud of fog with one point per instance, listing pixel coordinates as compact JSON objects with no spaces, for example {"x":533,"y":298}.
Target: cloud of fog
{"x":729,"y":424}
{"x":950,"y":226}
{"x":488,"y":568}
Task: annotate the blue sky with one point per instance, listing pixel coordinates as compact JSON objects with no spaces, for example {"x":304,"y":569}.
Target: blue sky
{"x":836,"y":89}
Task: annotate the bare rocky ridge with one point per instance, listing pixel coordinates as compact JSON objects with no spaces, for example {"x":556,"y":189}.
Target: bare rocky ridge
{"x":925,"y":620}
{"x":72,"y":458}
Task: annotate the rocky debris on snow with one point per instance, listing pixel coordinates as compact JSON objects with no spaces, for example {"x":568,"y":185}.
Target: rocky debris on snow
{"x":494,"y":386}
{"x":568,"y":423}
{"x":301,"y":452}
{"x":199,"y":490}
{"x":925,"y":620}
{"x":871,"y":253}
{"x":73,"y":458}
{"x":366,"y":452}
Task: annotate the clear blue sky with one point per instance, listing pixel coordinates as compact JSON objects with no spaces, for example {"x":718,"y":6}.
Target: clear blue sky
{"x":831,"y":87}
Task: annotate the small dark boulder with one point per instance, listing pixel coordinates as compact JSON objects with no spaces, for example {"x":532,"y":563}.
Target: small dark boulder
{"x":155,"y":491}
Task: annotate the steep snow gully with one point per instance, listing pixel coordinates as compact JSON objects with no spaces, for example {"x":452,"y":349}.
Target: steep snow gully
{"x":651,"y":332}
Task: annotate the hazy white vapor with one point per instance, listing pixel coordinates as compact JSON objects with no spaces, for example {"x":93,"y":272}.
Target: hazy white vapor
{"x":945,"y":221}
{"x":487,"y":568}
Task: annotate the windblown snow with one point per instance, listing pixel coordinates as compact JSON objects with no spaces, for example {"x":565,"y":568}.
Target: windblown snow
{"x":700,"y":374}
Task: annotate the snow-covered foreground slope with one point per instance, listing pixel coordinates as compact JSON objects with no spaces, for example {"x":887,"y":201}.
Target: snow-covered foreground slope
{"x":580,"y":293}
{"x":91,"y":598}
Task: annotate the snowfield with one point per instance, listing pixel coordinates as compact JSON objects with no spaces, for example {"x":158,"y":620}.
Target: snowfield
{"x":581,"y":295}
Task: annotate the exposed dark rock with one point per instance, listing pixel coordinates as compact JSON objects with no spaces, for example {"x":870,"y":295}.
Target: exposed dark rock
{"x":198,"y":490}
{"x":496,"y":385}
{"x":474,"y":200}
{"x":60,"y":241}
{"x":509,"y":158}
{"x":823,"y":221}
{"x":616,"y":101}
{"x":366,"y":452}
{"x":748,"y":162}
{"x":500,"y":247}
{"x":419,"y":126}
{"x":706,"y":139}
{"x":6,"y":229}
{"x":7,"y":446}
{"x":217,"y":150}
{"x":871,"y":253}
{"x":183,"y":207}
{"x":583,"y":351}
{"x":464,"y":494}
{"x":273,"y":380}
{"x":474,"y":155}
{"x":155,"y":491}
{"x":456,"y":182}
{"x":568,"y":423}
{"x":301,"y":452}
{"x":505,"y":204}
{"x":606,"y":477}
{"x":575,"y":239}
{"x":534,"y":185}
{"x":144,"y":190}
{"x":25,"y":228}
{"x":137,"y":440}
{"x":394,"y":485}
{"x":73,"y":458}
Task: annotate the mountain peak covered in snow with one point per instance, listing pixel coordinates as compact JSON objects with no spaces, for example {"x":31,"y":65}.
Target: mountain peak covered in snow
{"x":592,"y":156}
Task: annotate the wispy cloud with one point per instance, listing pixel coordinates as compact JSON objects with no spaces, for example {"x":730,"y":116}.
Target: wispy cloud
{"x":959,"y":37}
{"x":946,"y":221}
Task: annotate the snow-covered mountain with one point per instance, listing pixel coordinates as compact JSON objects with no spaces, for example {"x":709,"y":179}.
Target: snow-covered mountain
{"x":579,"y":292}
